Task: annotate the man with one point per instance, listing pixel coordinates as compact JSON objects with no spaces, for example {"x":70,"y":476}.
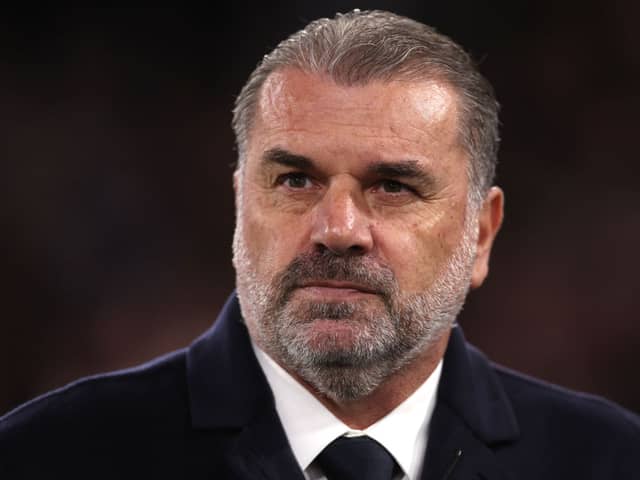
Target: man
{"x":365,"y":211}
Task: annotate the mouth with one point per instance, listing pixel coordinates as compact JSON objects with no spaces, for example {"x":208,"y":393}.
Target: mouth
{"x":328,"y":289}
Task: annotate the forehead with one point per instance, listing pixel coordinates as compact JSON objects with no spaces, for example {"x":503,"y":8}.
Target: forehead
{"x":298,"y":109}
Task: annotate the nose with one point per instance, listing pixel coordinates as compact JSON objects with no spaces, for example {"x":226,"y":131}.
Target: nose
{"x":341,"y":222}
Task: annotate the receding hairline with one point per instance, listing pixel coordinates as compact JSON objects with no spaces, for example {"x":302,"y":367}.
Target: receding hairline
{"x":434,"y":78}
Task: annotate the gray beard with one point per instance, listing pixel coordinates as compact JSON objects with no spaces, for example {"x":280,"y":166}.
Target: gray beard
{"x":381,"y":338}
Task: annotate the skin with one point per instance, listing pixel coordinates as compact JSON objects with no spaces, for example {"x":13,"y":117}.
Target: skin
{"x":340,"y":199}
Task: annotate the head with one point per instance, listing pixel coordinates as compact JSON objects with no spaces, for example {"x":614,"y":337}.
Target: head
{"x":360,"y":47}
{"x":367,"y":148}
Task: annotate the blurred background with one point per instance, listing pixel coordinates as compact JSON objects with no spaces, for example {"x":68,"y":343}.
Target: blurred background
{"x":117,"y":209}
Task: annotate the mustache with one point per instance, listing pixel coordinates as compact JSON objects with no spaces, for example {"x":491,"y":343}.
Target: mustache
{"x":325,"y":265}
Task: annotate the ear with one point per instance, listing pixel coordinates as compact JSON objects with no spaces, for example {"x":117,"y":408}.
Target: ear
{"x":236,"y":180}
{"x":489,"y":221}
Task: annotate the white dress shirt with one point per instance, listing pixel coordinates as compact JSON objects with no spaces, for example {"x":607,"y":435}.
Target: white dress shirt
{"x":310,"y":426}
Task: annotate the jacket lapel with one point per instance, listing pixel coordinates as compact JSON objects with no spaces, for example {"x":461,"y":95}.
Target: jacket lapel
{"x":472,"y":417}
{"x":260,"y":453}
{"x":236,"y":398}
{"x":455,"y":453}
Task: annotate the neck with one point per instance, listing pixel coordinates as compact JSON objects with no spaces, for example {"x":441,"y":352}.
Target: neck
{"x":362,"y":412}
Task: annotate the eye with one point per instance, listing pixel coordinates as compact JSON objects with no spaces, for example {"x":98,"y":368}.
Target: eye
{"x":294,"y":180}
{"x":393,"y":186}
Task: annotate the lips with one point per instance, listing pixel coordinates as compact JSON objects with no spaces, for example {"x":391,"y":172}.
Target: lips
{"x":336,"y":285}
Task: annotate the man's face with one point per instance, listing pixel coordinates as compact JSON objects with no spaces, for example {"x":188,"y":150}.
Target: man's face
{"x":354,"y":245}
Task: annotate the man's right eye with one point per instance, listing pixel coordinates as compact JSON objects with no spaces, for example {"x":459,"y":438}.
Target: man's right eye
{"x":294,"y":180}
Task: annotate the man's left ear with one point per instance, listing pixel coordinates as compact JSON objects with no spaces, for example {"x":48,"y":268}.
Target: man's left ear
{"x":489,"y":221}
{"x":236,"y":180}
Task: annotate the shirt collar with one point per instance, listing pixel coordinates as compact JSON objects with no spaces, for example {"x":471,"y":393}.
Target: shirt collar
{"x":310,"y":426}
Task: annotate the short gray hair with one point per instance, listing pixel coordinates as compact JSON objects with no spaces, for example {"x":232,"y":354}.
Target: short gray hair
{"x":362,"y":46}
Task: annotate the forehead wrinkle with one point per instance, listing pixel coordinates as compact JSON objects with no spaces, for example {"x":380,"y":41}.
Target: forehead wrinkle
{"x":421,"y":135}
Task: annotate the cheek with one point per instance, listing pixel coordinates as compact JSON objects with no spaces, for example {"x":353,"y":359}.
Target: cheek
{"x":260,"y":241}
{"x":417,"y":251}
{"x":272,"y":240}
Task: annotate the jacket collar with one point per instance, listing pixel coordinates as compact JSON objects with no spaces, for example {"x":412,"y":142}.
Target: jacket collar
{"x":227,"y":390}
{"x":226,"y":385}
{"x":471,"y":388}
{"x":473,"y":416}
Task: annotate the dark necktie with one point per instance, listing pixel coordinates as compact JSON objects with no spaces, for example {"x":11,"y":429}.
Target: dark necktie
{"x":356,"y":458}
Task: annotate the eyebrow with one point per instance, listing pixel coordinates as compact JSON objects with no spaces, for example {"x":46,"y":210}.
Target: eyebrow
{"x":403,"y":170}
{"x":288,"y":159}
{"x":397,"y":170}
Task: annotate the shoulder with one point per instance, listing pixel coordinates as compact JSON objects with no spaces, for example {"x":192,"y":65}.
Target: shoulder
{"x":539,"y":401}
{"x":141,"y":394}
{"x":572,"y":423}
{"x":530,"y":394}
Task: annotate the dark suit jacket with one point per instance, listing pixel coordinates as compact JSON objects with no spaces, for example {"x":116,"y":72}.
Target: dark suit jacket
{"x":206,"y":412}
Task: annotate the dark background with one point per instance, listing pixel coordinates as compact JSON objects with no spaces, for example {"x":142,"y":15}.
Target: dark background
{"x":117,"y":208}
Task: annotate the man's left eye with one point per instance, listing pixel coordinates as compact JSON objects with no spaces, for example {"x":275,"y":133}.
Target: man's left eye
{"x":392,"y":186}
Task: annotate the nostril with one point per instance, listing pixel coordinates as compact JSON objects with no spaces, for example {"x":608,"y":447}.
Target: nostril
{"x":321,"y":248}
{"x":356,"y":250}
{"x":352,"y":251}
{"x":338,"y":250}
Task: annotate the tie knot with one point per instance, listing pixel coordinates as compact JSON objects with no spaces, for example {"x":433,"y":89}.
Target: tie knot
{"x":355,"y":458}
